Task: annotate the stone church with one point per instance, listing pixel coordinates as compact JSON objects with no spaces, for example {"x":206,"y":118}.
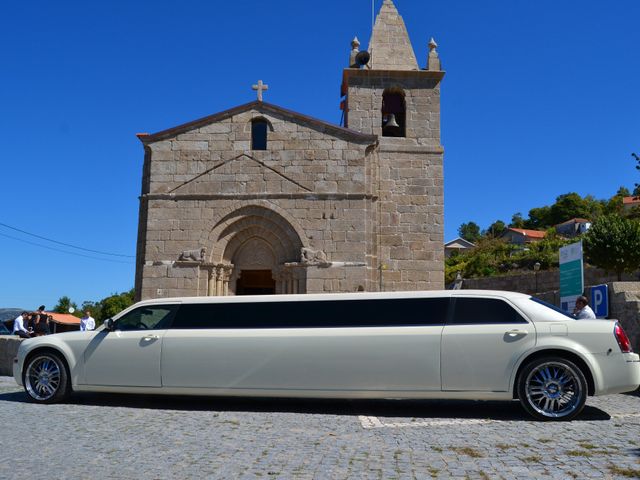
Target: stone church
{"x":259,"y":199}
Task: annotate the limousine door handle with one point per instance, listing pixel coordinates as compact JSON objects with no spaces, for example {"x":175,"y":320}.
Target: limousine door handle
{"x":150,"y":337}
{"x":515,"y":333}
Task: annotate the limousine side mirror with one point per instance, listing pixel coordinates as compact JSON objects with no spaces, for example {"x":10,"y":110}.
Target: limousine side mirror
{"x":109,"y":324}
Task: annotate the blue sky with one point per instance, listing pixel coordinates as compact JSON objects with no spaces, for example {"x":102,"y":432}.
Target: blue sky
{"x":540,"y":98}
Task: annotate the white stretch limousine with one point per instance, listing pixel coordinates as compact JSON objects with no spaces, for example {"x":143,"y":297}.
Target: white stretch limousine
{"x":453,"y":344}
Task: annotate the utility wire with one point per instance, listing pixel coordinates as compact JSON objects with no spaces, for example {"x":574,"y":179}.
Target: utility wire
{"x":64,"y":251}
{"x":62,"y":243}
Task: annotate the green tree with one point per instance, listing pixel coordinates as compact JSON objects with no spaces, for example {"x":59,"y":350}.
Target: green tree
{"x":517,"y":221}
{"x":496,"y":229}
{"x":539,"y":218}
{"x":613,"y":243}
{"x":100,"y":310}
{"x":614,"y":204}
{"x":64,"y":304}
{"x":115,"y":303}
{"x":622,"y":192}
{"x":571,"y":205}
{"x":469,"y":231}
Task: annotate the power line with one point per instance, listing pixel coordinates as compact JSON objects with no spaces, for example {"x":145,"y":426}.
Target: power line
{"x":64,"y":251}
{"x":62,"y":243}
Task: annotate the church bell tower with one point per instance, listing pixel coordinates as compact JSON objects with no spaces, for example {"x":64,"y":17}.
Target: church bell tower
{"x":387,"y":94}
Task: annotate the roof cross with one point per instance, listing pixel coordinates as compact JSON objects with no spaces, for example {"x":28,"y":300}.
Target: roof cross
{"x":260,"y":87}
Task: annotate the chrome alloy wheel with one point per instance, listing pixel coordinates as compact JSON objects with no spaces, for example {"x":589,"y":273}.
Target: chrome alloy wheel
{"x":43,"y":377}
{"x":553,"y":389}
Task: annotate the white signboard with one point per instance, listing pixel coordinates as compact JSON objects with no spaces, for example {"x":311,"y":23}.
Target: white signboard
{"x":571,"y":275}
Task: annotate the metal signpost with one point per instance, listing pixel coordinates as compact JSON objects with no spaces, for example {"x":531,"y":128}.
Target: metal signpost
{"x":571,"y":275}
{"x":600,"y":300}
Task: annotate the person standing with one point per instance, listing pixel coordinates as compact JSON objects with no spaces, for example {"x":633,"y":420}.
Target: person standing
{"x":42,"y":325}
{"x":40,"y":322}
{"x":18,"y":326}
{"x":583,"y":310}
{"x":87,"y":322}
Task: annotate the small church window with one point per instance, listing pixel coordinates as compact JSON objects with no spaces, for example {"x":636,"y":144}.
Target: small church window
{"x":259,"y":128}
{"x":393,"y":113}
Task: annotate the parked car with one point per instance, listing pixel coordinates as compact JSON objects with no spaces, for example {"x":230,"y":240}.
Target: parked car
{"x":4,"y":330}
{"x":8,"y":315}
{"x":452,"y":344}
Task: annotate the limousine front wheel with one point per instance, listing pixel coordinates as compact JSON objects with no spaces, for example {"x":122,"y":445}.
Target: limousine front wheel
{"x":46,"y":379}
{"x":552,"y":388}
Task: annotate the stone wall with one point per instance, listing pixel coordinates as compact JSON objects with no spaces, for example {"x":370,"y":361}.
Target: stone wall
{"x":537,"y":283}
{"x":410,"y":187}
{"x":8,"y":350}
{"x":208,"y":188}
{"x":411,"y":216}
{"x":624,"y":304}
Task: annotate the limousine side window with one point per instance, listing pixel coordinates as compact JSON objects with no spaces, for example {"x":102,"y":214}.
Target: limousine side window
{"x":473,"y":311}
{"x":156,"y":317}
{"x":314,"y":314}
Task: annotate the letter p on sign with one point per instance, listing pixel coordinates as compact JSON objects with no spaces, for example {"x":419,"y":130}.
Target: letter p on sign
{"x":600,"y":301}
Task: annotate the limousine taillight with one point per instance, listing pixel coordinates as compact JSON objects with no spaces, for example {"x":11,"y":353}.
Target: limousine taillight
{"x":623,"y":340}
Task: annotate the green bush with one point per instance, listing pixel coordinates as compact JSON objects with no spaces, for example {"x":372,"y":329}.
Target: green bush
{"x":496,"y":257}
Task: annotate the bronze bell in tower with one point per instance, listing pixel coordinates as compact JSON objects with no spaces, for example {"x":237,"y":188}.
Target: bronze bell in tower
{"x":390,"y":127}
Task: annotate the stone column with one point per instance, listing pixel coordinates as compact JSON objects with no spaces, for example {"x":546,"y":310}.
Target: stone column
{"x":290,"y":278}
{"x":219,"y":280}
{"x":211,"y":285}
{"x":226,"y":276}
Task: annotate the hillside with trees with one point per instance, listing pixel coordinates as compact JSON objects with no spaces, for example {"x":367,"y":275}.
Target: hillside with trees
{"x":612,"y":242}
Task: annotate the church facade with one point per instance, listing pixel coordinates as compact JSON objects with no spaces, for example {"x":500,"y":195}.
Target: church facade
{"x":262,"y":200}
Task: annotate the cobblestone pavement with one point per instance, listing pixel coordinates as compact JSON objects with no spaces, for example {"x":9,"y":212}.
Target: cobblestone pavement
{"x":130,"y":437}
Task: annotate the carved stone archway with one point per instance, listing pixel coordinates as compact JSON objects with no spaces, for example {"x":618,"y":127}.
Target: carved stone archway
{"x":255,"y":260}
{"x":257,"y":239}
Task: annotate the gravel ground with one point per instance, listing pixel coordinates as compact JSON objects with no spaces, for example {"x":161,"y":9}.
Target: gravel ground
{"x":156,"y":437}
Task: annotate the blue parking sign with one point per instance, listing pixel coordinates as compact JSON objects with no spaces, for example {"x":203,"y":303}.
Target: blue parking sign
{"x":600,"y":300}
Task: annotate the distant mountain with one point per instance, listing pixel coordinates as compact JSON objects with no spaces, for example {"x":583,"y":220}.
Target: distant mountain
{"x":9,"y":313}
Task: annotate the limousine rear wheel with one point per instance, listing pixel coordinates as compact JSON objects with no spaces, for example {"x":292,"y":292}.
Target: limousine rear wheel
{"x":552,"y":388}
{"x":46,"y":379}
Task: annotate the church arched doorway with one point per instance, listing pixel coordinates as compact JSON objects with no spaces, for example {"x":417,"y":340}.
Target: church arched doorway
{"x":262,"y":252}
{"x":255,"y":282}
{"x":254,"y":264}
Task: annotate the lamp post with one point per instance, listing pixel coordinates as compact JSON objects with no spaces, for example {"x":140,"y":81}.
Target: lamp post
{"x":536,"y":268}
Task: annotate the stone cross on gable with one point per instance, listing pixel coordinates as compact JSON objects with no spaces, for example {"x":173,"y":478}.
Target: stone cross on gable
{"x":260,"y":87}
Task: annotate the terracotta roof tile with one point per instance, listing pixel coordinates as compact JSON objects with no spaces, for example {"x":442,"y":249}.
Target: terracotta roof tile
{"x":64,"y":318}
{"x":529,"y":233}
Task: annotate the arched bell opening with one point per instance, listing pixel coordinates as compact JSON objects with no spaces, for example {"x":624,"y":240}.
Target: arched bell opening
{"x":394,"y":113}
